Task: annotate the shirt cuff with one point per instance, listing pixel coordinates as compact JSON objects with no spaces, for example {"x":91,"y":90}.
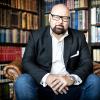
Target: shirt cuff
{"x":43,"y":81}
{"x":78,"y":80}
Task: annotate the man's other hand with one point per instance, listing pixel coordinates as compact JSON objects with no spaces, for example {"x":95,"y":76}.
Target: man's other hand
{"x":59,"y":83}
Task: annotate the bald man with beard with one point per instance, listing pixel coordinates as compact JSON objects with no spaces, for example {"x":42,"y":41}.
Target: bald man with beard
{"x":57,"y":63}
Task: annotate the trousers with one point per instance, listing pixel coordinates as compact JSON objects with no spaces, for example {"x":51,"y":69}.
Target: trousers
{"x":27,"y":89}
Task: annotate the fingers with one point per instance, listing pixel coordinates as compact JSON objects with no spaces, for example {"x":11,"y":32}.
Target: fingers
{"x":63,"y":91}
{"x":66,"y":88}
{"x":58,"y":83}
{"x":62,"y":87}
{"x":50,"y":79}
{"x":55,"y":85}
{"x":59,"y":87}
{"x":56,"y":92}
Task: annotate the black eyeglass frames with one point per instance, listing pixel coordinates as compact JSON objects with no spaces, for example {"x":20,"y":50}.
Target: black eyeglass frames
{"x":57,"y":17}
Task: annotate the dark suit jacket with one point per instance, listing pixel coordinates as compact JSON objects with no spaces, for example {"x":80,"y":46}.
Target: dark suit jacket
{"x":37,"y":58}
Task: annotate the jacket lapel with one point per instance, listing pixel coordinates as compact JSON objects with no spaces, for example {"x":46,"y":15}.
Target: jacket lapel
{"x":67,"y":47}
{"x":48,"y":45}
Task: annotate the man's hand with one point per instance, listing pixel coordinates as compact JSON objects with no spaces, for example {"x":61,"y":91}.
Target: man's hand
{"x":66,"y":81}
{"x":59,"y":83}
{"x":52,"y":81}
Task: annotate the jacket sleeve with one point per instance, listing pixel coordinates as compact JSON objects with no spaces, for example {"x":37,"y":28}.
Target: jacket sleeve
{"x":28,"y":61}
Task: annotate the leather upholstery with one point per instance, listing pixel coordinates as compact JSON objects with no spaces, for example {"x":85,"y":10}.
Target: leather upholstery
{"x":13,"y":70}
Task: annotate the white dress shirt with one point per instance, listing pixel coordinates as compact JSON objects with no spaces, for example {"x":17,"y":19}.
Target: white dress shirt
{"x":58,"y":66}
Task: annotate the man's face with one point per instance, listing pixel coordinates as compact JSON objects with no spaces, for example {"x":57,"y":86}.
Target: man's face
{"x":59,"y":20}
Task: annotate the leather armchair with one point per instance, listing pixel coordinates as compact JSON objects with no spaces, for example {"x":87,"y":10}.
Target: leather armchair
{"x":96,"y":68}
{"x":14,"y":69}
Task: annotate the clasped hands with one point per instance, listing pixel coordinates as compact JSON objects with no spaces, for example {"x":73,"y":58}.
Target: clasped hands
{"x":59,"y":83}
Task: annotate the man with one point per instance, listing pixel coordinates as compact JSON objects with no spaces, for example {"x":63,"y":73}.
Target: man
{"x":57,"y":63}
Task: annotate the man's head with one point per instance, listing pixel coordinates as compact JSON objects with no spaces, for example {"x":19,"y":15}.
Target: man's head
{"x":59,"y":19}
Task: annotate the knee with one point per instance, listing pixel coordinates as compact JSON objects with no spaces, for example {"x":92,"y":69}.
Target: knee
{"x":92,"y":83}
{"x":22,"y":81}
{"x":25,"y":88}
{"x":94,"y":80}
{"x":91,"y":88}
{"x":23,"y":78}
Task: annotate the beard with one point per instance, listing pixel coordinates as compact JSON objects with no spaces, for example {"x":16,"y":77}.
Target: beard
{"x":59,"y":29}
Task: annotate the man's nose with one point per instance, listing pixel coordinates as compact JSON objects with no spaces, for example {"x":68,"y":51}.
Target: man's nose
{"x":61,"y":20}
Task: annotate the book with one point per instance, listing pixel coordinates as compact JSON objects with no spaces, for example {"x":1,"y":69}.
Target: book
{"x":14,"y":18}
{"x":8,"y":53}
{"x":93,"y":15}
{"x":96,"y":55}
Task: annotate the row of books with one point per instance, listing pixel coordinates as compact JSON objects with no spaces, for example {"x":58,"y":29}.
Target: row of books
{"x":13,"y":36}
{"x":5,"y":2}
{"x":95,"y":2}
{"x":95,"y":15}
{"x":96,"y":55}
{"x":46,"y":21}
{"x":4,"y":17}
{"x":11,"y":53}
{"x":72,"y":4}
{"x":79,"y":19}
{"x":19,"y":19}
{"x":49,"y":3}
{"x":29,"y":5}
{"x":95,"y":34}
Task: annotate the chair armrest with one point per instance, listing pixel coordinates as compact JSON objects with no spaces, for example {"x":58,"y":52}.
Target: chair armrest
{"x":96,"y":68}
{"x":13,"y":70}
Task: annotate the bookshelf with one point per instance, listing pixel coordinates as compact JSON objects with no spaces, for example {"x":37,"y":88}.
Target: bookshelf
{"x":94,"y":27}
{"x":18,"y":18}
{"x":79,"y":15}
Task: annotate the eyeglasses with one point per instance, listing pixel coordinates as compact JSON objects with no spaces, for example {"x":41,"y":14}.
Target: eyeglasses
{"x":57,"y":18}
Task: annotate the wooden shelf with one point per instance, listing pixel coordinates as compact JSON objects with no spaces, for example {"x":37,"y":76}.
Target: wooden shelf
{"x":15,"y":27}
{"x":95,"y":6}
{"x":97,"y":24}
{"x":14,"y":44}
{"x":8,"y":6}
{"x":95,"y":45}
{"x":80,"y":8}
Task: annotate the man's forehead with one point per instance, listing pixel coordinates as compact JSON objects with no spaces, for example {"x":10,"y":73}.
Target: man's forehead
{"x":59,"y":6}
{"x":60,"y":10}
